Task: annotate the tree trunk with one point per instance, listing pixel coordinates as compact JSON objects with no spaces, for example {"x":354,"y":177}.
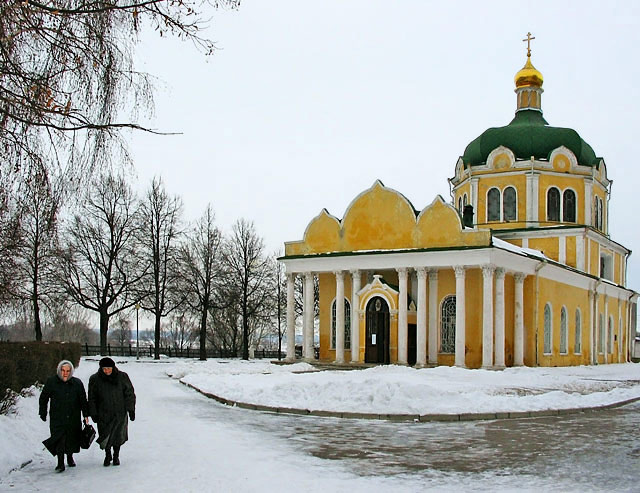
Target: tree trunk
{"x":245,"y":329}
{"x":157,"y":336}
{"x":36,"y":319}
{"x":104,"y":327}
{"x":203,"y":334}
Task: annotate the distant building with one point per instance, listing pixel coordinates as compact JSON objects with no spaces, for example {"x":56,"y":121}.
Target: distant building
{"x":520,"y":270}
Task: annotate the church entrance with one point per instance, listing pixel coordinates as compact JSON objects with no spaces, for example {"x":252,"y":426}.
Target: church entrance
{"x":411,"y":345}
{"x":377,"y":332}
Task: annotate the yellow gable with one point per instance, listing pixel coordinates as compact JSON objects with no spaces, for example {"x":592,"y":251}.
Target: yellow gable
{"x":381,"y":218}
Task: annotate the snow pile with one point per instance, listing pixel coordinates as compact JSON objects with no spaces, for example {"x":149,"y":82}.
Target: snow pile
{"x":402,"y":390}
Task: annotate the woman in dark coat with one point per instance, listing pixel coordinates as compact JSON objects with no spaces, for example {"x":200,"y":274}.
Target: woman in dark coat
{"x":68,"y":400}
{"x":111,"y":399}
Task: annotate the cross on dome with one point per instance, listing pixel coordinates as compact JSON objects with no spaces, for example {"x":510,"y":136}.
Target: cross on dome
{"x":528,"y":40}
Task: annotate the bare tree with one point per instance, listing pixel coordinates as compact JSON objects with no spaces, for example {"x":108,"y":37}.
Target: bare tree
{"x":200,"y":269}
{"x":182,"y":330}
{"x":100,"y":263}
{"x":120,"y":334}
{"x":160,"y":217}
{"x":35,"y":251}
{"x":70,"y":323}
{"x":67,"y":73}
{"x":249,"y":271}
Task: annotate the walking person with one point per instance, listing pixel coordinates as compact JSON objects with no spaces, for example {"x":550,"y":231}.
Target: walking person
{"x":111,"y":400}
{"x":68,"y":401}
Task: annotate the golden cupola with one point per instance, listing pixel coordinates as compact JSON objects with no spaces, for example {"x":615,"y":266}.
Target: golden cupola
{"x":529,"y":84}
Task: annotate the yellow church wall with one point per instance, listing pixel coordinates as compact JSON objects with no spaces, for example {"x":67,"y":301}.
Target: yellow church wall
{"x":473,"y":318}
{"x":529,"y":320}
{"x":549,"y":246}
{"x":559,"y":295}
{"x":501,"y":181}
{"x":327,"y":287}
{"x":509,"y":319}
{"x":562,"y":183}
{"x":594,"y":258}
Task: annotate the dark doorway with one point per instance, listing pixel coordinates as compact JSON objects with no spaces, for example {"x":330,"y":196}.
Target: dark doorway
{"x":377,"y":333}
{"x":411,"y":345}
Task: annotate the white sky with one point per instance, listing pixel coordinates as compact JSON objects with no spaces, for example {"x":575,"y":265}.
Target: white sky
{"x":306,"y":104}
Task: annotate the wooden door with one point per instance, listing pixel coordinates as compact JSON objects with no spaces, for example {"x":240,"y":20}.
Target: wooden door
{"x":377,"y":331}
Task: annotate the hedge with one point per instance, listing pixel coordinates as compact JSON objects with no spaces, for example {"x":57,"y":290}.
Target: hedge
{"x":23,"y":364}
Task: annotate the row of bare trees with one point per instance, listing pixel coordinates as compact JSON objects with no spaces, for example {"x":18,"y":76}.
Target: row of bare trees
{"x":116,"y":253}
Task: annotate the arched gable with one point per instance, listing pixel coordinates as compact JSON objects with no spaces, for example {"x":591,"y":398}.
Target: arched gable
{"x":378,"y":218}
{"x":440,"y":225}
{"x":378,"y":288}
{"x":323,"y":233}
{"x":500,"y":158}
{"x":562,"y":159}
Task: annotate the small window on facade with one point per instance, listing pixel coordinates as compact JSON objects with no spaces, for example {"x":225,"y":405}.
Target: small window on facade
{"x":578,"y":338}
{"x":553,"y":205}
{"x":493,"y":205}
{"x":509,"y":204}
{"x":460,"y":204}
{"x":569,"y":206}
{"x":464,"y":200}
{"x":448,"y":325}
{"x":595,"y":213}
{"x":600,"y":215}
{"x":564,"y":332}
{"x":601,"y":334}
{"x":347,"y":324}
{"x":547,"y":329}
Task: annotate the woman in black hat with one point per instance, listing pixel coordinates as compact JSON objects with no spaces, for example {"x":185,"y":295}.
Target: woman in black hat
{"x":111,"y":399}
{"x":68,"y":400}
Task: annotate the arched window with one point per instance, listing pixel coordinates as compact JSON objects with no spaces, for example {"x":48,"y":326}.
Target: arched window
{"x":600,"y":215}
{"x":595,"y":213}
{"x":448,"y":325}
{"x":464,"y":200}
{"x":578,"y":338}
{"x":347,"y":324}
{"x":460,"y":204}
{"x":553,"y":205}
{"x":509,"y":204}
{"x":493,"y":205}
{"x":601,"y":334}
{"x":569,"y":206}
{"x":564,"y":332}
{"x":610,"y":336}
{"x":547,"y":329}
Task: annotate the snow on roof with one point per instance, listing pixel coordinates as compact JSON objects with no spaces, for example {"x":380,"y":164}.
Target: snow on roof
{"x":529,"y":252}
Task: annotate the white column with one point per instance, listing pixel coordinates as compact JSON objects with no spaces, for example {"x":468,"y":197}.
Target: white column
{"x":562,"y":249}
{"x":499,"y":319}
{"x":588,"y":197}
{"x":308,"y":315}
{"x":355,"y":319}
{"x":421,"y":336}
{"x":291,"y":319}
{"x":487,"y":316}
{"x":339,"y":316}
{"x":460,"y":316}
{"x":532,"y":198}
{"x":474,"y":199}
{"x":593,"y":306}
{"x":402,"y":317}
{"x":433,"y":317}
{"x":580,"y":252}
{"x":606,"y":329}
{"x":518,"y":333}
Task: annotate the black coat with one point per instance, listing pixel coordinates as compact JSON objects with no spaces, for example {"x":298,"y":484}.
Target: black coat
{"x":111,"y":398}
{"x":68,"y":400}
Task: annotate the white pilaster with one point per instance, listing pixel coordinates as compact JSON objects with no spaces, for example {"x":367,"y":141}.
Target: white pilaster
{"x":421,"y":336}
{"x":355,"y":319}
{"x":433,"y":317}
{"x":487,"y":316}
{"x":291,"y":319}
{"x":339,"y":316}
{"x":562,"y":249}
{"x":532,"y":198}
{"x":607,"y":329}
{"x":474,"y":199}
{"x":402,"y":317}
{"x":518,"y":333}
{"x":499,"y":319}
{"x":593,"y":307}
{"x":588,"y":198}
{"x":580,"y":252}
{"x":460,"y":316}
{"x":308,"y":316}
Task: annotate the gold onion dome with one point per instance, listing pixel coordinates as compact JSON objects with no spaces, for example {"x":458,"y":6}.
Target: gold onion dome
{"x":528,"y":75}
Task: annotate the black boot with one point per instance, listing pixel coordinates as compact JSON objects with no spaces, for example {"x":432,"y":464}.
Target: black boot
{"x":70,"y":461}
{"x":116,"y":456}
{"x":107,"y":456}
{"x":60,"y":466}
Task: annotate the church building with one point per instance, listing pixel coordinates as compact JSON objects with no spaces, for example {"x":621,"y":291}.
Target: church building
{"x":518,"y":268}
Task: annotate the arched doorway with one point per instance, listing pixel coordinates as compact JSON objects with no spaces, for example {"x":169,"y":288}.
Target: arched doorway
{"x":377,"y":331}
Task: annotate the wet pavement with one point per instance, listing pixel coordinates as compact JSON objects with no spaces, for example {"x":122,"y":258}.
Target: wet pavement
{"x":593,"y":451}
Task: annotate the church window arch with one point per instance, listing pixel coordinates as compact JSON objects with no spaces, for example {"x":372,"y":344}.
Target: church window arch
{"x":448,"y":325}
{"x":600,"y":215}
{"x":493,"y":205}
{"x":569,"y":206}
{"x":564,"y":331}
{"x":347,"y":324}
{"x":460,"y":204}
{"x":547,"y":329}
{"x":465,"y":200}
{"x":553,"y":204}
{"x":509,"y":204}
{"x":578,"y":336}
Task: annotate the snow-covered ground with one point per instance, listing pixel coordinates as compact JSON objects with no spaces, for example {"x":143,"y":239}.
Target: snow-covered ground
{"x":404,"y":390}
{"x":183,"y":441}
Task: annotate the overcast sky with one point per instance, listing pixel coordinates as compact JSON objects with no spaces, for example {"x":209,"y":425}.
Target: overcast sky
{"x":306,"y":103}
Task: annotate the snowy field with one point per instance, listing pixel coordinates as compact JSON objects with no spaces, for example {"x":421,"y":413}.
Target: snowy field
{"x":183,"y":441}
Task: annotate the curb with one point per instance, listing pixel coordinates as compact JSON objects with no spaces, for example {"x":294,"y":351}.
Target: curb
{"x":413,"y":417}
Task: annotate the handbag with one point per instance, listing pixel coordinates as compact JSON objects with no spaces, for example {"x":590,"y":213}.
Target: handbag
{"x":87,"y":436}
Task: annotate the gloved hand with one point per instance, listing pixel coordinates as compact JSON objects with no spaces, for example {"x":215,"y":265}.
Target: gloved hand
{"x":132,"y":415}
{"x":43,"y":417}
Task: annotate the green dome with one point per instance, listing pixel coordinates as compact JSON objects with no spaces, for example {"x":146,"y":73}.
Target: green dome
{"x":528,"y":135}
